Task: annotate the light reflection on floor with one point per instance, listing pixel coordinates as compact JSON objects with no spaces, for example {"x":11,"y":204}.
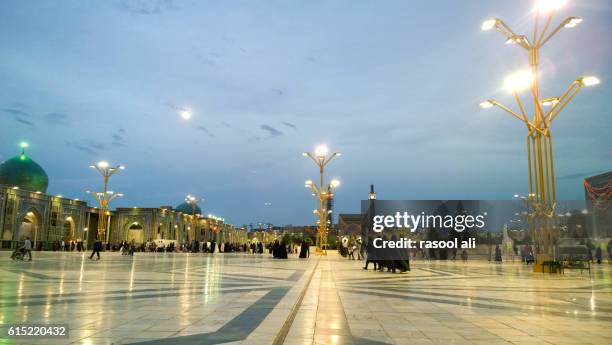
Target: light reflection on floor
{"x":183,"y":298}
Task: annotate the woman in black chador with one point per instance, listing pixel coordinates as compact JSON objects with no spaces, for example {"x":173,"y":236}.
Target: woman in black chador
{"x":275,"y":249}
{"x":371,"y":254}
{"x":498,"y":254}
{"x":400,"y":258}
{"x":304,"y":250}
{"x":282,"y":250}
{"x":385,"y":258}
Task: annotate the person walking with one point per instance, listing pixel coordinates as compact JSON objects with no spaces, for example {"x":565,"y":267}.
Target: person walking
{"x":598,"y":255}
{"x":498,"y":254}
{"x":27,"y":246}
{"x":96,"y":249}
{"x":351,"y":251}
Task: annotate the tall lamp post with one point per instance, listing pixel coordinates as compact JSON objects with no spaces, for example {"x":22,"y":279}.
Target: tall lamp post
{"x":322,"y":192}
{"x":193,"y":201}
{"x":542,"y":192}
{"x":106,"y":196}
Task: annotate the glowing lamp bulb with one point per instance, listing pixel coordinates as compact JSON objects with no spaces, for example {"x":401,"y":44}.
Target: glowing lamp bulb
{"x":518,"y":81}
{"x":546,"y":6}
{"x":321,"y":151}
{"x":486,"y":104}
{"x":589,"y":81}
{"x":488,"y":24}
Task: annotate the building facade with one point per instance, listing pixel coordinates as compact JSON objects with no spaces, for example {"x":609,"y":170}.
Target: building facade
{"x":27,"y":211}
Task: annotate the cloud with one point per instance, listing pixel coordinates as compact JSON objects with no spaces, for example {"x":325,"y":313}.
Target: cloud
{"x":279,"y":92}
{"x":145,"y":7}
{"x":226,"y":124}
{"x":88,"y":147}
{"x":176,"y":107}
{"x":119,"y":138}
{"x":20,"y":116}
{"x":271,"y":130}
{"x":289,"y":124}
{"x":205,"y":130}
{"x":56,"y":118}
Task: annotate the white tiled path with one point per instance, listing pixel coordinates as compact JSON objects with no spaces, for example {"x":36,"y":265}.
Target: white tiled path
{"x":453,"y":303}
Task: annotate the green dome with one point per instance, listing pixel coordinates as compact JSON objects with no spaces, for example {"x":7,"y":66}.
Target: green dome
{"x":188,"y":209}
{"x":23,"y":172}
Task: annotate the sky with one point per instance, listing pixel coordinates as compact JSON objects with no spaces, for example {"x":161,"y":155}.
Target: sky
{"x":393,"y":85}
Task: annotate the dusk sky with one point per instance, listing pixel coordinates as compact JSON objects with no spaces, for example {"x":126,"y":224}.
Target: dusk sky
{"x":394,"y":85}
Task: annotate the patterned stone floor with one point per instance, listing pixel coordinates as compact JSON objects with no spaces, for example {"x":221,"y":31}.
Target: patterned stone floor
{"x":454,"y":303}
{"x":169,"y":298}
{"x":178,"y":299}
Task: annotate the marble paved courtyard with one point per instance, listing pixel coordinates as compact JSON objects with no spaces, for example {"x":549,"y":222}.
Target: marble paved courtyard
{"x":178,"y":299}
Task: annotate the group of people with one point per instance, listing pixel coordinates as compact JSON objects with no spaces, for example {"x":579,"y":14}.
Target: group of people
{"x":212,"y":247}
{"x":280,"y":250}
{"x":600,"y":249}
{"x":393,"y":260}
{"x":69,"y":246}
{"x":351,"y":247}
{"x":128,"y":248}
{"x":528,"y":257}
{"x":160,"y":247}
{"x":256,"y":248}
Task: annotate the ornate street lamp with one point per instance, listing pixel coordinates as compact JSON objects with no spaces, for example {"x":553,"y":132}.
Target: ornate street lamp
{"x":106,"y":196}
{"x":322,"y":192}
{"x":542,"y":192}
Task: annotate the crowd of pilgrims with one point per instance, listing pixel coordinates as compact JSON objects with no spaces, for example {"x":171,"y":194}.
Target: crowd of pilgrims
{"x":352,"y":247}
{"x":281,"y":249}
{"x":278,"y":249}
{"x":169,"y":247}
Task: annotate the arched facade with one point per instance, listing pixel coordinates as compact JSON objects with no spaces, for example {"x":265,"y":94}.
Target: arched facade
{"x":47,"y":218}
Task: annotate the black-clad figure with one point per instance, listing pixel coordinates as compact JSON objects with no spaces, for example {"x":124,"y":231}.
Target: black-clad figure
{"x":498,"y":254}
{"x":304,"y":250}
{"x":96,"y":249}
{"x":371,"y":254}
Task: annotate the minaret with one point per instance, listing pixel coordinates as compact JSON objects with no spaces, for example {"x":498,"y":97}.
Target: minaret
{"x":371,"y":212}
{"x":372,"y":194}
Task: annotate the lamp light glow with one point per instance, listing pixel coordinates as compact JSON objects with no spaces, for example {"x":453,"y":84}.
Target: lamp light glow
{"x":516,"y":39}
{"x":572,"y":22}
{"x":488,"y":24}
{"x":321,"y":151}
{"x":546,"y":6}
{"x":518,"y":81}
{"x":548,"y":102}
{"x":589,"y":81}
{"x":486,"y":104}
